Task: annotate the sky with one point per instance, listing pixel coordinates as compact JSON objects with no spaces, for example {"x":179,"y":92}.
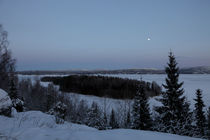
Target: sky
{"x":106,"y":34}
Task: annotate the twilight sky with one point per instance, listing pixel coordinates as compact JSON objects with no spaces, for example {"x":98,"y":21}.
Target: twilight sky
{"x":106,"y":34}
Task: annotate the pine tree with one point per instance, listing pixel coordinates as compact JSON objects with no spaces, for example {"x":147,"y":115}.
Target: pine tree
{"x":113,"y":122}
{"x":59,"y":111}
{"x":208,"y":124}
{"x":199,"y":113}
{"x":105,"y":122}
{"x":141,"y":113}
{"x":173,"y":113}
{"x":145,"y":118}
{"x":184,"y":126}
{"x":128,"y":120}
{"x":13,"y":88}
{"x":17,"y":103}
{"x":136,"y":112}
{"x":81,"y":112}
{"x":94,"y":118}
{"x":51,"y":97}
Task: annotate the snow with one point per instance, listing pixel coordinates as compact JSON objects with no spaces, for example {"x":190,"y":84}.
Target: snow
{"x":35,"y":125}
{"x":108,"y":103}
{"x":121,"y":106}
{"x":5,"y":101}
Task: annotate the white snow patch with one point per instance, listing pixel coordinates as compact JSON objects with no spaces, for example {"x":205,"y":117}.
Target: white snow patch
{"x":35,"y":125}
{"x":5,"y":100}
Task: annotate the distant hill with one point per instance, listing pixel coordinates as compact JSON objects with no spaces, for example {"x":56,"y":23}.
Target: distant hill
{"x":196,"y":70}
{"x":191,"y":70}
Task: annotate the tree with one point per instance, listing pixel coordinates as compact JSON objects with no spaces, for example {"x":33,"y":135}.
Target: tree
{"x":12,"y":86}
{"x":174,"y":109}
{"x":208,"y":124}
{"x":94,"y":118}
{"x":104,"y":113}
{"x":128,"y":120}
{"x":82,"y":112}
{"x":6,"y":60}
{"x":59,"y":111}
{"x":17,"y":103}
{"x":113,"y":122}
{"x":51,"y":97}
{"x":141,"y":112}
{"x":8,"y":79}
{"x":105,"y":122}
{"x":199,"y":113}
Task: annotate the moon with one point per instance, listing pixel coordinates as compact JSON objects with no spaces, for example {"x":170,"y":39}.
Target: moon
{"x":148,"y":39}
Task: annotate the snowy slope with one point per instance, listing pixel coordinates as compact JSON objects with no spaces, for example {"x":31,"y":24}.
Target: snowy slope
{"x":35,"y":125}
{"x":108,"y":103}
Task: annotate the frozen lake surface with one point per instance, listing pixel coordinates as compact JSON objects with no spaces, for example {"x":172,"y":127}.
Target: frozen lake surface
{"x":191,"y":83}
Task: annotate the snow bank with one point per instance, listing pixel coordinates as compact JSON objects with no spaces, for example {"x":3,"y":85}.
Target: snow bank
{"x":5,"y":101}
{"x":35,"y":125}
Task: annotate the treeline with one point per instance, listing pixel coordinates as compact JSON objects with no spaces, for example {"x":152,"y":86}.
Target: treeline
{"x":102,"y":86}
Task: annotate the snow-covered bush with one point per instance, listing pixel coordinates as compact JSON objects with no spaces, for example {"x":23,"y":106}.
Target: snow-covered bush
{"x":18,"y":104}
{"x":94,"y":117}
{"x":59,"y":111}
{"x":5,"y":103}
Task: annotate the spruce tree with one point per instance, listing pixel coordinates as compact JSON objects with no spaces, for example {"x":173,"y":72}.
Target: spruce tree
{"x":113,"y":122}
{"x":128,"y":120}
{"x":12,"y":88}
{"x":145,"y":118}
{"x":141,"y":113}
{"x":105,"y":122}
{"x":173,"y":113}
{"x":208,"y":124}
{"x":16,"y":102}
{"x":136,"y":112}
{"x":59,"y":111}
{"x":81,"y":112}
{"x":94,"y":118}
{"x":199,"y":113}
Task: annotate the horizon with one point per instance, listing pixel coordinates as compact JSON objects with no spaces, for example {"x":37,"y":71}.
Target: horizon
{"x":63,"y":70}
{"x":53,"y":35}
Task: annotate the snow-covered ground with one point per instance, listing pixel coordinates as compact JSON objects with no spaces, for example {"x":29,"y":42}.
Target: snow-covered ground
{"x":35,"y":125}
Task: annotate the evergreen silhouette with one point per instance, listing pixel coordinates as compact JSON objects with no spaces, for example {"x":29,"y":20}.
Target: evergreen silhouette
{"x":12,"y":87}
{"x":128,"y":120}
{"x":113,"y":122}
{"x":208,"y":124}
{"x":94,"y":118}
{"x":141,"y":111}
{"x":175,"y":110}
{"x":16,"y":102}
{"x":199,"y":113}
